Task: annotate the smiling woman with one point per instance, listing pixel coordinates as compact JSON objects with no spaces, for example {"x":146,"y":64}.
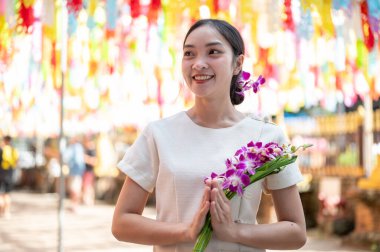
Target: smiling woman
{"x":209,"y":50}
{"x":173,"y":156}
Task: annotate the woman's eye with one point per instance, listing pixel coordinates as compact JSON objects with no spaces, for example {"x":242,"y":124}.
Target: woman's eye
{"x":187,"y":53}
{"x":213,"y":51}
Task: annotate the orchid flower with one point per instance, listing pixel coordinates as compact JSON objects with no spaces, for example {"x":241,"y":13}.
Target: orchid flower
{"x":245,"y":83}
{"x":236,"y":181}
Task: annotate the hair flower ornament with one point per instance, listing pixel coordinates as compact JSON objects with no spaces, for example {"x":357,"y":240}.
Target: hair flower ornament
{"x":244,"y":83}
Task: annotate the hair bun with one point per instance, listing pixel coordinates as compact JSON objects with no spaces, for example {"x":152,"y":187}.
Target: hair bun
{"x":236,"y":98}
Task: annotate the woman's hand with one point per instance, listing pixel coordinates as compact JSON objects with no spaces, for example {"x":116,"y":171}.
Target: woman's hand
{"x":199,"y":218}
{"x":221,"y":220}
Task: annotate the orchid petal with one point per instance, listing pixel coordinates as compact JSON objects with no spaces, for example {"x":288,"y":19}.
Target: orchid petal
{"x":245,"y":75}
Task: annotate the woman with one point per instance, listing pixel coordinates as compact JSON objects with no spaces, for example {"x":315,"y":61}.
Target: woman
{"x":173,"y":155}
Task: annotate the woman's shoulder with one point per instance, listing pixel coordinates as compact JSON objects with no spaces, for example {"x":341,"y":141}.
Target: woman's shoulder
{"x":266,"y":120}
{"x":270,"y":129}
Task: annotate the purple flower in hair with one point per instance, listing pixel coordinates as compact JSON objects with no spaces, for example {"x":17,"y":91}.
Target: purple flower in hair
{"x":245,"y":83}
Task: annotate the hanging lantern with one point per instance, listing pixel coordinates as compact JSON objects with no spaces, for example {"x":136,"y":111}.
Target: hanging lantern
{"x":362,"y":55}
{"x":216,"y":6}
{"x":72,"y":24}
{"x":338,"y":81}
{"x":287,"y":15}
{"x":369,"y":40}
{"x":26,"y":16}
{"x":344,"y":5}
{"x":374,"y":16}
{"x":135,"y":8}
{"x":3,"y":22}
{"x":3,"y":6}
{"x":305,"y":28}
{"x":48,"y":19}
{"x":221,"y":8}
{"x":325,"y":19}
{"x":74,"y":6}
{"x":154,"y":8}
{"x":111,"y":13}
{"x":28,"y":3}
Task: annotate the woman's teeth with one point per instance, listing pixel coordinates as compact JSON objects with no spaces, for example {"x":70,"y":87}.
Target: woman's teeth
{"x":203,"y":77}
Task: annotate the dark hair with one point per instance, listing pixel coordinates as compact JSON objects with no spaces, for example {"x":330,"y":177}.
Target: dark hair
{"x":7,"y":138}
{"x":233,"y":37}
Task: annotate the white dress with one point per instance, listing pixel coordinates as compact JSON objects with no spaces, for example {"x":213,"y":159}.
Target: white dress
{"x":174,"y":155}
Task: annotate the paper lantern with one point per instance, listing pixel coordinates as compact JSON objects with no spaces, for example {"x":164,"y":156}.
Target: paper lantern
{"x":305,"y":28}
{"x":374,"y":16}
{"x":28,"y":3}
{"x":135,"y":8}
{"x":72,"y":24}
{"x":369,"y":40}
{"x":91,"y":7}
{"x":74,"y":6}
{"x":111,"y":13}
{"x":362,"y":54}
{"x":26,"y":16}
{"x":287,"y":15}
{"x":154,"y":8}
{"x":342,"y":5}
{"x":48,"y":19}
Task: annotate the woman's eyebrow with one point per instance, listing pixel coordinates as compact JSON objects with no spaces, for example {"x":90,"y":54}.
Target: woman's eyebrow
{"x":214,"y":44}
{"x":207,"y":45}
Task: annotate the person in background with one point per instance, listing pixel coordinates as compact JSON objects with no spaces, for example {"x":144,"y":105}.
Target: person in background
{"x":51,"y":153}
{"x":105,"y":169}
{"x":74,"y":157}
{"x":88,"y":194}
{"x":174,"y":155}
{"x":9,"y":158}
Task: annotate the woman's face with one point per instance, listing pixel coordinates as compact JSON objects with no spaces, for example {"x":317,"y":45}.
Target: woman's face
{"x":208,"y":63}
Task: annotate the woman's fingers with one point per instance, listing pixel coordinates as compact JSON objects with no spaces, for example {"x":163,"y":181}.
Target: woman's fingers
{"x":216,"y":206}
{"x":205,"y":208}
{"x":207,"y":193}
{"x":219,"y":195}
{"x":219,"y":203}
{"x":200,"y":216}
{"x":205,"y":203}
{"x":214,"y":212}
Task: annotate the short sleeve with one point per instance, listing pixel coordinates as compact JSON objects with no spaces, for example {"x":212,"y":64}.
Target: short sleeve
{"x":289,"y":176}
{"x":140,"y":162}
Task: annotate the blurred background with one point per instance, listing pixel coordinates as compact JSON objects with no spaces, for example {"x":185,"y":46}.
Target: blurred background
{"x":85,"y":76}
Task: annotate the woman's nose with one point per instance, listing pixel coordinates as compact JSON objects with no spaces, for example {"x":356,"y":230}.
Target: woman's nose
{"x":200,"y":64}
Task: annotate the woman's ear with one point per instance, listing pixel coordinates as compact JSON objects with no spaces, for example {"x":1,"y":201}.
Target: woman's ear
{"x":239,"y":64}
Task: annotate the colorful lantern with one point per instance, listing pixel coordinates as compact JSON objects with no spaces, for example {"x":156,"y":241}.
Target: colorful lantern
{"x":369,"y":40}
{"x":111,"y":12}
{"x":74,"y":6}
{"x":26,"y":16}
{"x":287,"y":15}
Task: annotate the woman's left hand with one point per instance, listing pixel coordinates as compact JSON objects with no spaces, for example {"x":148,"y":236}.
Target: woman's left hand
{"x":222,"y":224}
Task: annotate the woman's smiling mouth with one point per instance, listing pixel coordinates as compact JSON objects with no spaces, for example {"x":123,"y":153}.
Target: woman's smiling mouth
{"x":202,"y":77}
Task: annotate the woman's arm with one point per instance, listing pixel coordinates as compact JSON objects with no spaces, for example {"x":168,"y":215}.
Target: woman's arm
{"x":129,"y":225}
{"x":288,"y":233}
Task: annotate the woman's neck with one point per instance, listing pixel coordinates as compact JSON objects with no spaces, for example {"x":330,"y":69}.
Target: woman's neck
{"x":211,"y":115}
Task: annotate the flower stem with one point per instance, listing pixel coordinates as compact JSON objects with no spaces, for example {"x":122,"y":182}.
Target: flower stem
{"x":204,"y":236}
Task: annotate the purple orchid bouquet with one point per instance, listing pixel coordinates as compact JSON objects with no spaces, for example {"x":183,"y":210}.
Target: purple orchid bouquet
{"x":250,"y":164}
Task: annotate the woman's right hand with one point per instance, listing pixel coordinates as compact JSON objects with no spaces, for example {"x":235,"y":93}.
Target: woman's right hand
{"x":199,"y":218}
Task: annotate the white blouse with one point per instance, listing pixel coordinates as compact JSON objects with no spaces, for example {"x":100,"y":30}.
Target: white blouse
{"x":174,"y":155}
